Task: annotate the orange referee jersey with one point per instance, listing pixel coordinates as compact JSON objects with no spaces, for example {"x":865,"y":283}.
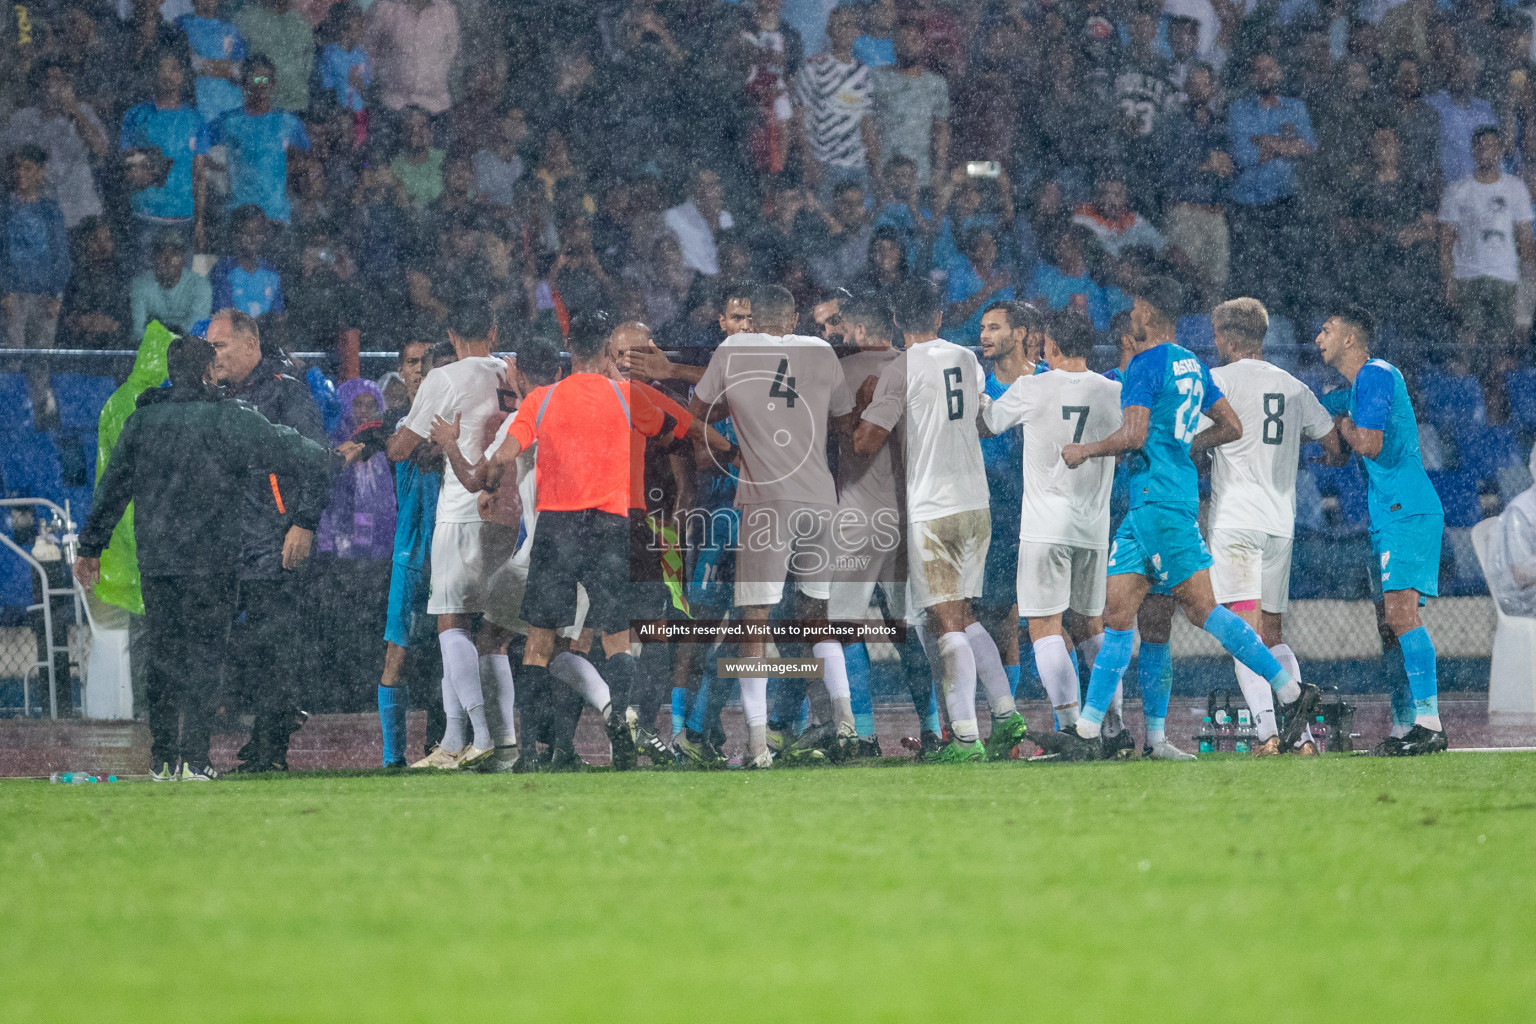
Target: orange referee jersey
{"x":591,"y":433}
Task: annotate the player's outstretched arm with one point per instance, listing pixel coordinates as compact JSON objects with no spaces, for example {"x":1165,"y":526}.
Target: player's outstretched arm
{"x":1334,"y":452}
{"x":1225,"y":427}
{"x":446,"y":436}
{"x":1128,"y":437}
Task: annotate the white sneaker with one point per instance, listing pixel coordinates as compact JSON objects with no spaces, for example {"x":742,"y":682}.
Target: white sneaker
{"x":440,"y":758}
{"x":1162,"y":750}
{"x":761,"y":761}
{"x":472,"y":757}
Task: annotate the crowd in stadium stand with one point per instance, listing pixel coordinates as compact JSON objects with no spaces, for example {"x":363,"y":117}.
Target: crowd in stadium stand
{"x":329,"y":167}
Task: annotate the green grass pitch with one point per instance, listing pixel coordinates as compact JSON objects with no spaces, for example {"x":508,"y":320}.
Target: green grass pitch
{"x":1348,"y":889}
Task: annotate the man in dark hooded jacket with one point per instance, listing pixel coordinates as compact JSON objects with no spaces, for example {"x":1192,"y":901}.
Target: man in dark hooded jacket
{"x":185,"y":458}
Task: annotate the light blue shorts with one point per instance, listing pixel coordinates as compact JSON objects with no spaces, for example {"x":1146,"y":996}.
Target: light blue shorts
{"x":1408,"y":554}
{"x":1161,"y":542}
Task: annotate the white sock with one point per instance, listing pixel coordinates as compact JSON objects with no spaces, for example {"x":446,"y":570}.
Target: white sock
{"x":580,"y":675}
{"x":1399,"y":731}
{"x":453,"y":733}
{"x":835,"y":676}
{"x":1260,"y":698}
{"x":1088,"y":730}
{"x":1056,"y":674}
{"x":989,"y":667}
{"x":1289,"y":692}
{"x":754,"y":706}
{"x":499,"y":668}
{"x":1157,"y":735}
{"x":959,"y":680}
{"x":461,"y":666}
{"x":1287,"y":659}
{"x":1088,"y":651}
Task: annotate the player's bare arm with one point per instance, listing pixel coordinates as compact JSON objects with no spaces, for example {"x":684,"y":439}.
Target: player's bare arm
{"x":1334,"y":452}
{"x":868,"y":439}
{"x":1366,"y":442}
{"x":843,"y":425}
{"x":651,"y":363}
{"x":446,"y":436}
{"x":1225,"y":427}
{"x":708,"y":413}
{"x":1128,"y":437}
{"x":402,"y":444}
{"x":505,"y":456}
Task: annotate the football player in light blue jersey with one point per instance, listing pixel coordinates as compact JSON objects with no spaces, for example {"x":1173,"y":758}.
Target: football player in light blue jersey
{"x":1011,"y":336}
{"x":1166,"y":390}
{"x":1375,"y":418}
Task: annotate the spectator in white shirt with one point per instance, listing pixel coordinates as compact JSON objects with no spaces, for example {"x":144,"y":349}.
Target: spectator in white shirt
{"x":696,"y":222}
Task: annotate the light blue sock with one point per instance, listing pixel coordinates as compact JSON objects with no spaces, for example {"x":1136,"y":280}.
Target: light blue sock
{"x":392,"y":723}
{"x":698,"y":714}
{"x":1244,"y":644}
{"x":856,"y":657}
{"x":1108,"y":668}
{"x":931,"y":721}
{"x":679,"y":709}
{"x":1012,"y":672}
{"x":1154,"y":674}
{"x":1419,"y":663}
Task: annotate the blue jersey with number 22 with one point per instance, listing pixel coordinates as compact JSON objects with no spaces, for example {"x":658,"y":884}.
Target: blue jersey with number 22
{"x":1175,"y":386}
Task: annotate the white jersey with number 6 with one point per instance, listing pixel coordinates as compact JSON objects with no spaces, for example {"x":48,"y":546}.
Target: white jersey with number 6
{"x":1058,"y":408}
{"x":935,"y":387}
{"x":780,"y":392}
{"x":1253,"y":479}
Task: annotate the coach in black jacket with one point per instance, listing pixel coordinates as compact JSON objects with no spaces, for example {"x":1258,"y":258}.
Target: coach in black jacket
{"x":279,"y":528}
{"x":184,"y":458}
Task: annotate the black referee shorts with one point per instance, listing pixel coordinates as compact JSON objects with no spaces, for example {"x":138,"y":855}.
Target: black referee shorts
{"x":588,"y":547}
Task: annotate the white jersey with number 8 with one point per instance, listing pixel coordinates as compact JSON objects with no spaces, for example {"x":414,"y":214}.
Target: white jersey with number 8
{"x":1253,"y":479}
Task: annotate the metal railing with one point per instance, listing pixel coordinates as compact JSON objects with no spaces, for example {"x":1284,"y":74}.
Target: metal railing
{"x":62,"y":525}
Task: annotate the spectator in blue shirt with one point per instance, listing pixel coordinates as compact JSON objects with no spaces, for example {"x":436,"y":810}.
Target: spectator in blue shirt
{"x":1066,"y":282}
{"x":976,"y":279}
{"x":34,"y":269}
{"x":345,"y":69}
{"x":1268,"y":134}
{"x":217,"y":50}
{"x":245,"y":281}
{"x":258,"y":138}
{"x":1461,"y":113}
{"x":163,"y":141}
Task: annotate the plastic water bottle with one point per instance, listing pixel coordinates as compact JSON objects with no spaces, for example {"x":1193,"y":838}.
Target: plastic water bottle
{"x":1244,"y":737}
{"x":1226,"y":733}
{"x":79,"y":778}
{"x":1206,"y":737}
{"x":1320,"y":734}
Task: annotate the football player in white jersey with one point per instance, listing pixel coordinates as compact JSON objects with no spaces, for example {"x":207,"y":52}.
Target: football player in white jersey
{"x":934,"y":390}
{"x":784,"y":393}
{"x":1253,"y":496}
{"x":1064,"y":517}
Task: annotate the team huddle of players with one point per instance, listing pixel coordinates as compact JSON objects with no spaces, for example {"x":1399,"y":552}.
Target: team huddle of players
{"x":960,"y":499}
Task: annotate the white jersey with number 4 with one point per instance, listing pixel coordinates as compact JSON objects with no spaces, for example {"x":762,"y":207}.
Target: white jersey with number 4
{"x":934,"y":387}
{"x":1253,"y":479}
{"x":780,"y":391}
{"x":1058,"y":408}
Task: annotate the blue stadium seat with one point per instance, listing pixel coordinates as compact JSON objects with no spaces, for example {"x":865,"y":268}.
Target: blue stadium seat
{"x":15,"y":574}
{"x":1458,"y":494}
{"x":1461,"y":574}
{"x":1196,"y":334}
{"x":1486,"y":449}
{"x":1520,"y":385}
{"x":1451,"y":400}
{"x":1347,"y":484}
{"x":80,"y":399}
{"x":29,"y":468}
{"x":15,"y":404}
{"x":1282,"y":347}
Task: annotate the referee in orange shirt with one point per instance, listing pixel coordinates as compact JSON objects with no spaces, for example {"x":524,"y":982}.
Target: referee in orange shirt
{"x":590,"y":430}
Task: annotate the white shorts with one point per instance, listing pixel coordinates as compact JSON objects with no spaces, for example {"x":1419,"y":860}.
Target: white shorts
{"x":867,"y":558}
{"x":1055,"y":577}
{"x":779,"y":538}
{"x":1251,"y":565}
{"x":463,"y":557}
{"x":504,"y":595}
{"x":947,"y":558}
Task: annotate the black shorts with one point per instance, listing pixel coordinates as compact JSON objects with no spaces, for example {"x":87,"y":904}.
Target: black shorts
{"x":588,"y":547}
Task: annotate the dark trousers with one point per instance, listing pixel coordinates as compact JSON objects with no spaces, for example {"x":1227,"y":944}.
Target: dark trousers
{"x":187,"y":628}
{"x":1269,"y":253}
{"x":269,"y":641}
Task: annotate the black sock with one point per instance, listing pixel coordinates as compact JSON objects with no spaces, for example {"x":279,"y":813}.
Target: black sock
{"x":619,"y":673}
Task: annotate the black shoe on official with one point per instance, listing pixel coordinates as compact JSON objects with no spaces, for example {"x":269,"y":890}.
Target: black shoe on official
{"x":622,"y":742}
{"x":1297,"y":715}
{"x":1119,"y":747}
{"x":649,"y":744}
{"x":1421,"y":740}
{"x":1067,"y":745}
{"x":194,"y":773}
{"x":567,"y":761}
{"x":928,"y":745}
